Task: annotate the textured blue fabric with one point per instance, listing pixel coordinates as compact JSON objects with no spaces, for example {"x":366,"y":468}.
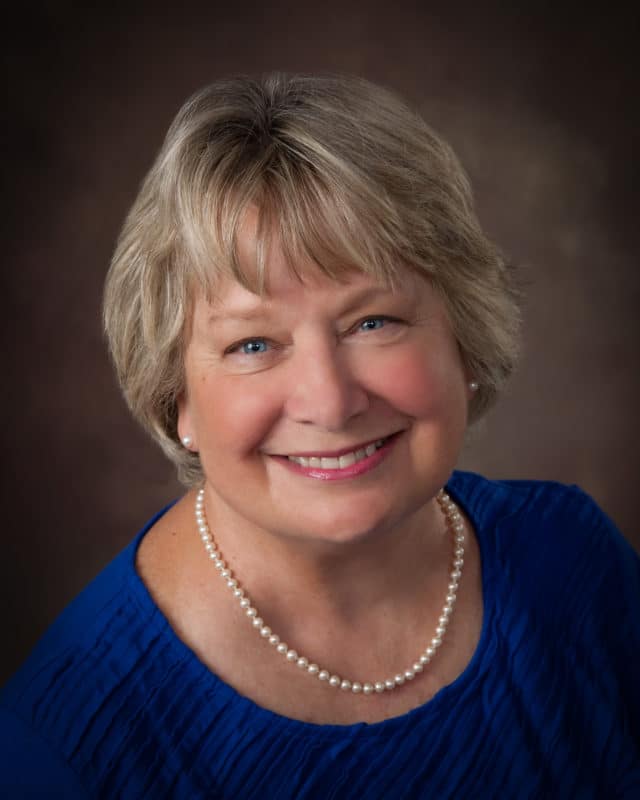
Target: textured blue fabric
{"x":112,"y":705}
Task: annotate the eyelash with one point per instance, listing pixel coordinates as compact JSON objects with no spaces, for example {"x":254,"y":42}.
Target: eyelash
{"x":237,"y":347}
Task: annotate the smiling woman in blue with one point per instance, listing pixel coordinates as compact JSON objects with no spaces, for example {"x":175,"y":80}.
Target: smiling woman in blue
{"x":304,"y":312}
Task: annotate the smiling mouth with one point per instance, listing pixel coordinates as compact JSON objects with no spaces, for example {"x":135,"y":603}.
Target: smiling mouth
{"x":342,"y":461}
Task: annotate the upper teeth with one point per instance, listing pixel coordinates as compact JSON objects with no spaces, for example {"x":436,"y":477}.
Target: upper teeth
{"x":345,"y":460}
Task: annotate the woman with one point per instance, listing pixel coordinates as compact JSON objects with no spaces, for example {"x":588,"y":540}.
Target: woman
{"x":305,"y":314}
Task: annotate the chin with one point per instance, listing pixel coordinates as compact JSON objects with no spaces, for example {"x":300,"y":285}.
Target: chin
{"x":351,"y":523}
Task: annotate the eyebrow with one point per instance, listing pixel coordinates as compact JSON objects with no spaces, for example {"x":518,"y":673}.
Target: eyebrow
{"x":240,"y":315}
{"x":265,"y":309}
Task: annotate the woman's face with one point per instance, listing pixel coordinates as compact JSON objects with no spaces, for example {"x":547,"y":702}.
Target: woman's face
{"x":323,"y":410}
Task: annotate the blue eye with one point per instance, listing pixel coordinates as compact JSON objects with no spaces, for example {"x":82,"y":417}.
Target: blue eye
{"x":373,"y":323}
{"x":253,"y":347}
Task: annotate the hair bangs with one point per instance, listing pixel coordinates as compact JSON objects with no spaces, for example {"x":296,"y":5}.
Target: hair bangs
{"x":328,"y":225}
{"x":318,"y":218}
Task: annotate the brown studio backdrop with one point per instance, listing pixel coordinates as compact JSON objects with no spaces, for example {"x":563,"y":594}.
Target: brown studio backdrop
{"x":542,"y":110}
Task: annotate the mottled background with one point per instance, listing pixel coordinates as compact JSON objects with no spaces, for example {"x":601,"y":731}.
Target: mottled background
{"x":541,"y":105}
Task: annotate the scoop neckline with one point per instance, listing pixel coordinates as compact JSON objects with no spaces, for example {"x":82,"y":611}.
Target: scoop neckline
{"x":473,"y":670}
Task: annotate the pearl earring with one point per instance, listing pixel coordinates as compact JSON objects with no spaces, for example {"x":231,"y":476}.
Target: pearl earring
{"x":473,"y":385}
{"x":186,"y":441}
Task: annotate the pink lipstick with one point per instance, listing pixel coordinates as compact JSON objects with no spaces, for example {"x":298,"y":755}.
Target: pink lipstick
{"x":315,"y":466}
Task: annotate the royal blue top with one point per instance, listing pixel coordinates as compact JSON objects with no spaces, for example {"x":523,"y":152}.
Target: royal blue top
{"x":111,"y":704}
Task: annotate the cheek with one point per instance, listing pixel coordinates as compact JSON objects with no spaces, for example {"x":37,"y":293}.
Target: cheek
{"x":234,"y":415}
{"x":417,"y":384}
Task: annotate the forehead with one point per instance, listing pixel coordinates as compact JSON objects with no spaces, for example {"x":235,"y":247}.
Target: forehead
{"x":291,"y":298}
{"x":288,"y":284}
{"x":290,"y":291}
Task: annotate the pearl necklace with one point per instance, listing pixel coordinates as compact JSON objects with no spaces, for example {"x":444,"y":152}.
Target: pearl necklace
{"x":455,"y":525}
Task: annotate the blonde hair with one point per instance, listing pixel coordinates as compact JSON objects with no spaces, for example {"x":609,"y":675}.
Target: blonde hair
{"x":345,"y":175}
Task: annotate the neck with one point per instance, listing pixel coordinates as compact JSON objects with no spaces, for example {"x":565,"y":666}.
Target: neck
{"x":340,"y":583}
{"x":347,"y":618}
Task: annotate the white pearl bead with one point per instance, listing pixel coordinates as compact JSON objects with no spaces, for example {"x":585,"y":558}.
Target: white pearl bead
{"x":455,"y":525}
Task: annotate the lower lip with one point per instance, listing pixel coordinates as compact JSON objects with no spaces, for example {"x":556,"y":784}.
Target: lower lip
{"x":359,"y":468}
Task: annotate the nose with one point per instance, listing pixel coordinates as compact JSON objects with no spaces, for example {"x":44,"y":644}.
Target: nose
{"x":325,"y":390}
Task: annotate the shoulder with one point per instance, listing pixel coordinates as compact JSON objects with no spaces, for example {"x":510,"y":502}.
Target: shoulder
{"x":71,"y":685}
{"x":559,"y":568}
{"x":510,"y":496}
{"x":556,"y":551}
{"x":544,"y":517}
